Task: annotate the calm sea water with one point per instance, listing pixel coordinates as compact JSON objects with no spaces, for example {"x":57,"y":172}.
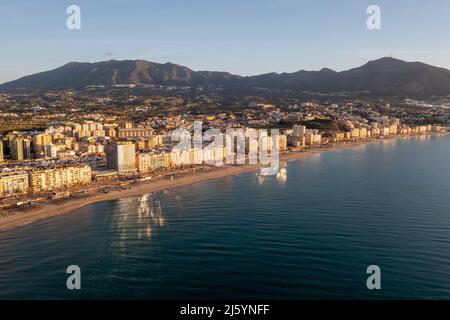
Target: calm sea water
{"x":311,"y":232}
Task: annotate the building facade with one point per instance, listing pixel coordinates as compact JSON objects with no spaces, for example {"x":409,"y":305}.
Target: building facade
{"x":13,"y":183}
{"x":121,"y":156}
{"x":60,"y":177}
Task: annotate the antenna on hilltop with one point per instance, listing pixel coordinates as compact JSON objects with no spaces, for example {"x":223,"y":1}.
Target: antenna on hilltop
{"x":391,"y":55}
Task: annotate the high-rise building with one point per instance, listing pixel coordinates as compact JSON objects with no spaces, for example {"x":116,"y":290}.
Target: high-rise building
{"x":120,"y":156}
{"x":313,"y":137}
{"x":51,"y":150}
{"x":282,"y":142}
{"x":299,"y":130}
{"x":298,"y":137}
{"x":27,"y":148}
{"x":2,"y":158}
{"x":16,"y":148}
{"x":40,"y":141}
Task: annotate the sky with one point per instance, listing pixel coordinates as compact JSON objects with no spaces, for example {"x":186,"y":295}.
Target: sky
{"x":244,"y":37}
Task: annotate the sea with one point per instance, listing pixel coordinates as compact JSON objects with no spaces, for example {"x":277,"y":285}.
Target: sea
{"x":310,"y":232}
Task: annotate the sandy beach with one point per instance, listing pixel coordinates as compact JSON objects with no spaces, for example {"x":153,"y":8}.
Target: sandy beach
{"x":51,"y":210}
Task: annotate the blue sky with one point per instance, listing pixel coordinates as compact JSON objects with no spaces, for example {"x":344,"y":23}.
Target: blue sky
{"x":245,"y":37}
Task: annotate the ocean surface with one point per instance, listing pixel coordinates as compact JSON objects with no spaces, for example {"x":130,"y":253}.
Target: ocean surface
{"x":308,"y":233}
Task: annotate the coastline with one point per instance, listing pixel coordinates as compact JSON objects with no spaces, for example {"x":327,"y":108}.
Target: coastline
{"x":52,"y":210}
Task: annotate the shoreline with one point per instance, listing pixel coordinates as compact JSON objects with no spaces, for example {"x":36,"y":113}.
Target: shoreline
{"x":52,"y":210}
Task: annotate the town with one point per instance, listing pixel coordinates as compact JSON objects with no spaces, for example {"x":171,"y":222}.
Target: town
{"x":62,"y":146}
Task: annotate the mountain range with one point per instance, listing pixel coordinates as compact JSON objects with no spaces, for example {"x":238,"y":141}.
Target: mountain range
{"x":386,"y":76}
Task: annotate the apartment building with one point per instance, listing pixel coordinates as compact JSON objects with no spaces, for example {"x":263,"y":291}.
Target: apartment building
{"x":59,"y":177}
{"x":147,"y":162}
{"x":121,"y":156}
{"x":13,"y":183}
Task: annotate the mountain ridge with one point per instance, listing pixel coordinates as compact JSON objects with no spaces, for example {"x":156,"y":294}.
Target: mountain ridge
{"x":385,"y":76}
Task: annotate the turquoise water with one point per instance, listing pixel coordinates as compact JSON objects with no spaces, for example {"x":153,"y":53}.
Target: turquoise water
{"x":311,"y":232}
